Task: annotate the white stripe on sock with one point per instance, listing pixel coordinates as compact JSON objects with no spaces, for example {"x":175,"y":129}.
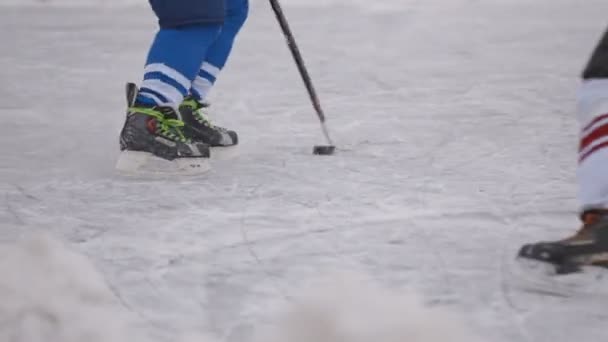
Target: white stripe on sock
{"x":593,"y":180}
{"x":211,"y":69}
{"x":173,"y":95}
{"x":169,"y":72}
{"x":592,"y":100}
{"x":202,"y":86}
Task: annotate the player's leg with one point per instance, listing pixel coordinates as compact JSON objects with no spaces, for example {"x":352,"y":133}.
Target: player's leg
{"x":153,"y":126}
{"x":219,"y":52}
{"x":589,"y":246}
{"x":188,"y":28}
{"x":593,"y":119}
{"x":193,"y":109}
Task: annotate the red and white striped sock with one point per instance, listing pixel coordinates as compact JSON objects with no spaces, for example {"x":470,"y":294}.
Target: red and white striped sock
{"x":593,"y":148}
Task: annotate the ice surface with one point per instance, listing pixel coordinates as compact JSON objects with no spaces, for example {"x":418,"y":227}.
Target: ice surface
{"x":458,"y":143}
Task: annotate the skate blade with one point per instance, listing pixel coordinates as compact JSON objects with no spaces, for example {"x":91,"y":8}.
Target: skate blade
{"x":144,"y":163}
{"x":543,"y":278}
{"x":220,"y":153}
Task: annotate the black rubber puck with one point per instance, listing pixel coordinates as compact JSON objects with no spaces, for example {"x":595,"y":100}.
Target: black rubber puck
{"x":324,"y":150}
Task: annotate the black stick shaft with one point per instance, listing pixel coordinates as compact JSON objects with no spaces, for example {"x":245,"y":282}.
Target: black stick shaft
{"x":297,"y":56}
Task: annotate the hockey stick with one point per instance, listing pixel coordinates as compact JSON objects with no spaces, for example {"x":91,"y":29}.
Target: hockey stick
{"x":297,"y":56}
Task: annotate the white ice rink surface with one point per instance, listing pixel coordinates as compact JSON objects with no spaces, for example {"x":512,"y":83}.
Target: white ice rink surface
{"x":457,"y":143}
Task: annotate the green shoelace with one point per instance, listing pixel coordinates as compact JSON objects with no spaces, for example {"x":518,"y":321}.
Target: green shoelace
{"x":197,"y":111}
{"x":170,"y":128}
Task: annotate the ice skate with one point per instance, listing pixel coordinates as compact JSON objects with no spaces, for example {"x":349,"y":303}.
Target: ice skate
{"x":153,"y":141}
{"x":222,"y":140}
{"x":588,"y":247}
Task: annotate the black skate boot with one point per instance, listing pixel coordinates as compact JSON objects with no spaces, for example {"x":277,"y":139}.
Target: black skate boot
{"x":588,"y":247}
{"x":153,"y":141}
{"x":201,"y":129}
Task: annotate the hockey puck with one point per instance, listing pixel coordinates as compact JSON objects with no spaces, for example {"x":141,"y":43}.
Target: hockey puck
{"x":324,"y":150}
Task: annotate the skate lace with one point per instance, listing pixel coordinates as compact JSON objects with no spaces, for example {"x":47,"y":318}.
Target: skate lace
{"x":169,"y":128}
{"x":199,"y":114}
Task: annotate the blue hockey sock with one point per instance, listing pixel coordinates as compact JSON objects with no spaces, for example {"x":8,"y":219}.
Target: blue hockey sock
{"x":219,"y":51}
{"x":173,"y":63}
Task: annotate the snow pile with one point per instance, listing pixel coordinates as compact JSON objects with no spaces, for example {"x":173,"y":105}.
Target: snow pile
{"x":48,"y":293}
{"x":354,"y":309}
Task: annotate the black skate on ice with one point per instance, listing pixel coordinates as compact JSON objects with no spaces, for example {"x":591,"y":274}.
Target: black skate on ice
{"x":201,"y":129}
{"x":588,"y":247}
{"x":153,"y":141}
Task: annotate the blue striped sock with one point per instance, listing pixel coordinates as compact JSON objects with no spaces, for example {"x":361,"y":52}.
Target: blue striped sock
{"x":236,"y":14}
{"x":173,"y":63}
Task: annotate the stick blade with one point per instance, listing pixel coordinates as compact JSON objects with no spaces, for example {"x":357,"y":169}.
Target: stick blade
{"x":324,"y":150}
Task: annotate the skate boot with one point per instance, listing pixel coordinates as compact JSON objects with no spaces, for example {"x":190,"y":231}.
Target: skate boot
{"x":153,"y":141}
{"x":588,"y":247}
{"x":201,"y":129}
